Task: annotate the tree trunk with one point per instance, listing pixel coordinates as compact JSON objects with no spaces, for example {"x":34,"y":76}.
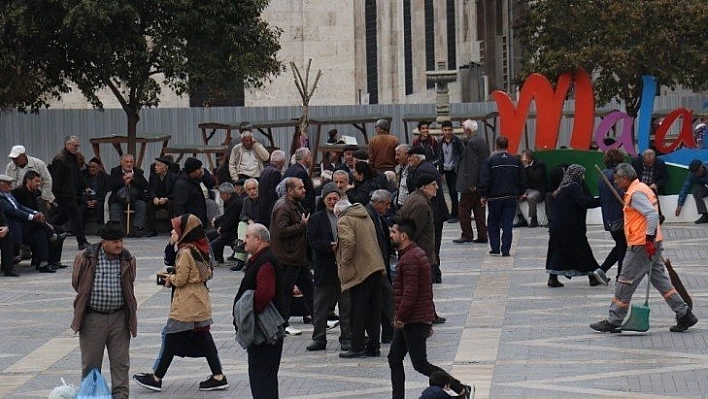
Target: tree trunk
{"x":133,"y":118}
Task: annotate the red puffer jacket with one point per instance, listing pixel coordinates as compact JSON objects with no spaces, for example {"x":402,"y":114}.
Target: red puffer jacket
{"x":412,"y":288}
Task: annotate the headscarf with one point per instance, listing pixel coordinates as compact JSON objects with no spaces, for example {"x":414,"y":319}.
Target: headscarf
{"x":191,"y":234}
{"x":574,"y":174}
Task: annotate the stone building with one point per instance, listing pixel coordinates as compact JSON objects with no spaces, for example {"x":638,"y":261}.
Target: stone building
{"x":377,"y":52}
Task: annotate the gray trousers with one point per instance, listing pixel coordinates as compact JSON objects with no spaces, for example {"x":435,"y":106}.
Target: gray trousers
{"x":107,"y":331}
{"x":700,"y":191}
{"x":533,"y":197}
{"x":324,"y":299}
{"x":634,"y":266}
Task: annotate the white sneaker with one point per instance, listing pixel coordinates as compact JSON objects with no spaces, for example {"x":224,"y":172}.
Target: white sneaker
{"x":292,"y":331}
{"x":332,"y":323}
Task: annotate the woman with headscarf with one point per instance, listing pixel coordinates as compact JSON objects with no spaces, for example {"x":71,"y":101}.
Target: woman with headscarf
{"x":569,"y":252}
{"x":187,"y":330}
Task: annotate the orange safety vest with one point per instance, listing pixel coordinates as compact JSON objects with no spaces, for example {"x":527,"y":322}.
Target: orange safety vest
{"x":635,"y":224}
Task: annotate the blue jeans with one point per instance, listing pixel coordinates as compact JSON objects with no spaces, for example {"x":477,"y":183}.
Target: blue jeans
{"x":501,"y":217}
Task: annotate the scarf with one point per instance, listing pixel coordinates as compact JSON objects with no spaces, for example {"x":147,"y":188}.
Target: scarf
{"x":191,"y":236}
{"x":574,"y":174}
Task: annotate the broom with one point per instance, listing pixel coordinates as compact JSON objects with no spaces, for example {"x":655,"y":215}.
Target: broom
{"x":675,"y":279}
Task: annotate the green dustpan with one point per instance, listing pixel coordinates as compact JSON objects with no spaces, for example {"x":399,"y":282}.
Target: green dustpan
{"x":637,"y":318}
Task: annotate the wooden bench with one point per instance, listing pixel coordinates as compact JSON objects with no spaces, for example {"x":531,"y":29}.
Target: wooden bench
{"x":117,"y":141}
{"x":195,"y":149}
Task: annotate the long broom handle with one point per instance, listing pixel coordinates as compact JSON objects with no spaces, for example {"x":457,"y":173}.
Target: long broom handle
{"x":621,"y":201}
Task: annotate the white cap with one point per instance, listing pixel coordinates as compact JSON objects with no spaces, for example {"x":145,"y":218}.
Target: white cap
{"x":6,"y":178}
{"x":17,"y":151}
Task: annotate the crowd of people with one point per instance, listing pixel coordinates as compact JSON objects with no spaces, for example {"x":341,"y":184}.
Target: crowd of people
{"x":333,"y":243}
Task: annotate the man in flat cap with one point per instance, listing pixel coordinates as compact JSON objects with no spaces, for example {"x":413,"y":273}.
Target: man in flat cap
{"x":160,"y":194}
{"x":697,"y":183}
{"x":382,"y":147}
{"x":105,"y":306}
{"x":21,"y":163}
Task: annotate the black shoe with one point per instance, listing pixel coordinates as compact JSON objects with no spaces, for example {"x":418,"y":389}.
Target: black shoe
{"x":373,"y":353}
{"x":521,"y":223}
{"x":480,"y":241}
{"x":344,"y":347}
{"x":505,"y":254}
{"x":316,"y":346}
{"x":59,"y":266}
{"x":350,"y":354}
{"x":212,"y":384}
{"x":83,"y":245}
{"x":494,"y":252}
{"x":593,"y":281}
{"x":702,"y":219}
{"x":148,"y":381}
{"x":46,"y":269}
{"x":461,"y":240}
{"x":553,"y":282}
{"x":439,"y":320}
{"x":453,"y":220}
{"x":437,"y":280}
{"x":307,"y":319}
{"x":136,"y":232}
{"x":683,"y":323}
{"x":534,"y":222}
{"x":11,"y":273}
{"x":661,"y":219}
{"x":605,"y":326}
{"x":152,"y":233}
{"x":238,"y":266}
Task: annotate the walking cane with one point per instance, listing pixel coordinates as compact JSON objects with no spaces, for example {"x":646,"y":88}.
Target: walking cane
{"x":675,"y":279}
{"x":127,"y":213}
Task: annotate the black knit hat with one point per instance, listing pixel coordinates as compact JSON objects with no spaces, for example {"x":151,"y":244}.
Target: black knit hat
{"x":424,"y":180}
{"x":192,"y":164}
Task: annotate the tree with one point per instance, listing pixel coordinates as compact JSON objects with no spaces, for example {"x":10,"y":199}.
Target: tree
{"x":617,"y":41}
{"x":132,"y":47}
{"x":306,"y":91}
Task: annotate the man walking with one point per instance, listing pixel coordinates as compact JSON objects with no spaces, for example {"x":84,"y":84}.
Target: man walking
{"x":471,"y":164}
{"x":414,"y":311}
{"x":644,"y":241}
{"x":271,"y":176}
{"x":105,"y":306}
{"x":502,"y":182}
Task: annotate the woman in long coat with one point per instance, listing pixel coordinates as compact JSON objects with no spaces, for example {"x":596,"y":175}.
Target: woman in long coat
{"x":569,"y":252}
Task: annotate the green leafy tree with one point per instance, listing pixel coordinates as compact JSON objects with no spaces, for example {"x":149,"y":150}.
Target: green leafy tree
{"x":132,"y":47}
{"x":617,"y":41}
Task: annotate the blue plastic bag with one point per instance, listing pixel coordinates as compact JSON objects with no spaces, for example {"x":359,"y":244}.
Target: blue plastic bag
{"x":94,"y":386}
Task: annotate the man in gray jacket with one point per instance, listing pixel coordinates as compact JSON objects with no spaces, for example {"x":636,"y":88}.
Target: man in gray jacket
{"x":476,"y":153}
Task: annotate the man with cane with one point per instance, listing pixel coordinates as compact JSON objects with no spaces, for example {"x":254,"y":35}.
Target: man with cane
{"x":644,"y":241}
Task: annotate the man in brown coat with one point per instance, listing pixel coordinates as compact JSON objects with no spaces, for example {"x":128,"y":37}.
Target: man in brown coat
{"x":288,"y":225}
{"x":360,"y":268}
{"x":105,"y":306}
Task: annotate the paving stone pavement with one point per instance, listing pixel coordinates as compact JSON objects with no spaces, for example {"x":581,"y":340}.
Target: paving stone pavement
{"x":506,"y":332}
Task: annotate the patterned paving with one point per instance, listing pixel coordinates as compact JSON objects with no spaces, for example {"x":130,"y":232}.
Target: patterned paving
{"x":507,"y":332}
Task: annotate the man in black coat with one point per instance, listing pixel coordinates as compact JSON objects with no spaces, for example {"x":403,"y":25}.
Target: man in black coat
{"x":301,"y":170}
{"x":416,"y":158}
{"x":188,"y":194}
{"x":652,"y":171}
{"x":536,"y":187}
{"x":68,"y":187}
{"x":502,"y":182}
{"x":96,"y":181}
{"x":128,"y":184}
{"x":270,"y":177}
{"x":378,"y":207}
{"x":160,"y":187}
{"x":226,"y":224}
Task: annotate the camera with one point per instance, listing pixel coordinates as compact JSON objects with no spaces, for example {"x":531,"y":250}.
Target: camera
{"x":160,"y":280}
